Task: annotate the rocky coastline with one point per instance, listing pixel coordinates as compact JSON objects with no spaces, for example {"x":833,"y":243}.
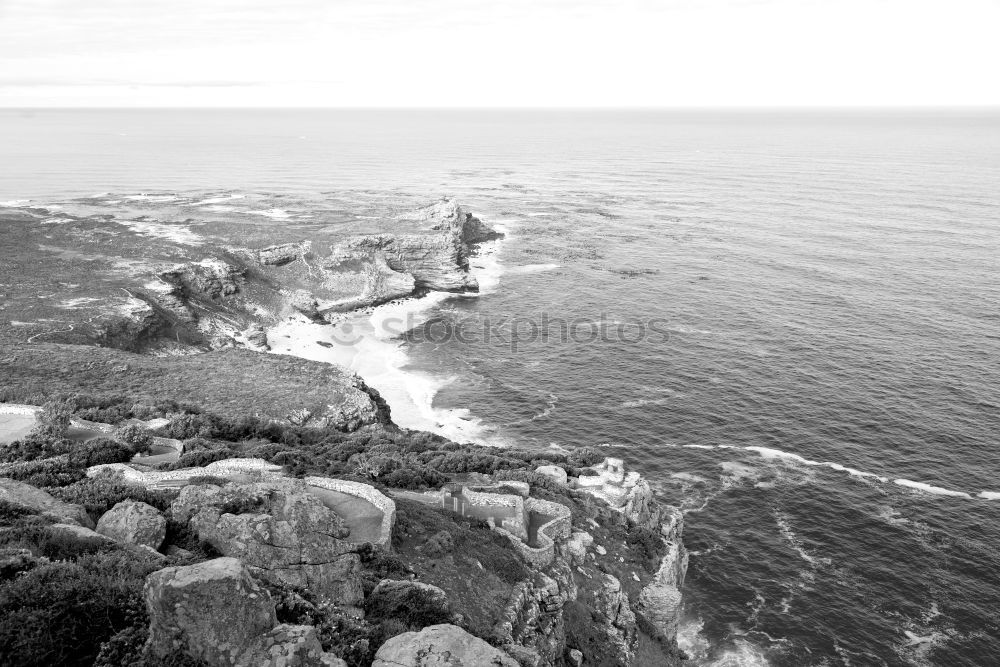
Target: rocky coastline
{"x":232,"y":565}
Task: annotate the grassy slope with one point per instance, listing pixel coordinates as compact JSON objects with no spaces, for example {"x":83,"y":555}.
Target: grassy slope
{"x":232,"y":382}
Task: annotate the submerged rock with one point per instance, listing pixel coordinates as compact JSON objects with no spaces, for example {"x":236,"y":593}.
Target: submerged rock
{"x":133,"y":522}
{"x":440,"y":646}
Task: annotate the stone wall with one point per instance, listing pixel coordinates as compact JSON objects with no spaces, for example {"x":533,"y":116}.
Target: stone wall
{"x":557,"y":528}
{"x":366,"y":492}
{"x":224,"y":468}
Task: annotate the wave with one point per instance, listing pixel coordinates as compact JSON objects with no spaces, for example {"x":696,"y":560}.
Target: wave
{"x":771,"y":453}
{"x":928,"y":488}
{"x":15,"y":203}
{"x":273,"y":213}
{"x":532,"y":268}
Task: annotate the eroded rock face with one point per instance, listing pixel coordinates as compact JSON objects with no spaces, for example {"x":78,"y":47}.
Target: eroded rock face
{"x":660,"y":600}
{"x":604,"y":626}
{"x":440,"y":646}
{"x":286,"y":253}
{"x":436,"y":261}
{"x":134,"y":523}
{"x":448,"y":215}
{"x":215,"y":612}
{"x":211,"y":278}
{"x":532,"y":628}
{"x":25,"y":495}
{"x":280,"y":531}
{"x":368,"y":277}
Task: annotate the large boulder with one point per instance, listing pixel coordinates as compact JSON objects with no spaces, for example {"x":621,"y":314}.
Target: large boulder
{"x":555,"y":472}
{"x":283,"y":533}
{"x":25,"y":495}
{"x":215,"y":612}
{"x":440,"y":646}
{"x":133,"y":522}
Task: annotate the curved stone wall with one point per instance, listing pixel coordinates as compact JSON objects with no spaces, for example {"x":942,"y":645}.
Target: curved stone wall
{"x":365,"y":492}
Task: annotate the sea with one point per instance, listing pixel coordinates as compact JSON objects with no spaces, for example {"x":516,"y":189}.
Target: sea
{"x":787,"y":320}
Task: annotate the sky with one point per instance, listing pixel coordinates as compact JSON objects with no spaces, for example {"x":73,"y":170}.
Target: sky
{"x":503,"y":53}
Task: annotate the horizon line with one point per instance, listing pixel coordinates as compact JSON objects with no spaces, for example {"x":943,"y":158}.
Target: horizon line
{"x":746,"y":107}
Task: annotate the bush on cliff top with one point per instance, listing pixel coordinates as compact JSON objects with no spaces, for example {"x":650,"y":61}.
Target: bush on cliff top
{"x":100,"y":493}
{"x":61,"y":613}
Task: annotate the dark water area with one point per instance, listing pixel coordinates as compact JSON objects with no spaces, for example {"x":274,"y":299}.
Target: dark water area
{"x":796,"y":315}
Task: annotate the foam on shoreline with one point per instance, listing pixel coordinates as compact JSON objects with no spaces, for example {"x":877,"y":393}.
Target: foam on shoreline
{"x":368,"y":343}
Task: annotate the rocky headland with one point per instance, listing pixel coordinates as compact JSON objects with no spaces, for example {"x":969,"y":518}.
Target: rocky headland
{"x":186,"y":499}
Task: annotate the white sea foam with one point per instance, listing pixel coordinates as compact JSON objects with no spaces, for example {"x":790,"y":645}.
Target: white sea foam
{"x":743,"y":654}
{"x":159,"y":199}
{"x":14,"y":203}
{"x":770,"y":453}
{"x":274,"y":213}
{"x":175,"y":233}
{"x":929,"y":488}
{"x":532,"y":268}
{"x":218,"y":200}
{"x":989,"y":495}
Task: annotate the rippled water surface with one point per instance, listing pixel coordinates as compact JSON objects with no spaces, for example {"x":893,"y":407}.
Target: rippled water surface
{"x":800,"y":315}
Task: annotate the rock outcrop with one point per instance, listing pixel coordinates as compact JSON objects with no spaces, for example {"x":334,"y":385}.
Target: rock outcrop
{"x":448,"y":215}
{"x":436,"y":261}
{"x":660,"y":600}
{"x":215,"y":612}
{"x":279,"y":255}
{"x":280,"y":531}
{"x":133,"y":522}
{"x":440,"y":646}
{"x":25,"y":495}
{"x":533,"y":628}
{"x":557,"y":473}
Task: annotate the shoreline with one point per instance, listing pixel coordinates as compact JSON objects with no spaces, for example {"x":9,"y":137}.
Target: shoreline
{"x":367,"y":342}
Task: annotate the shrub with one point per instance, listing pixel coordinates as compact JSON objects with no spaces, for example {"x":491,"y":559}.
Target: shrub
{"x":61,"y":613}
{"x":439,"y":544}
{"x":136,"y":437}
{"x":200,"y":459}
{"x":55,"y":416}
{"x":38,"y":444}
{"x":45,"y":542}
{"x":100,"y":493}
{"x":415,"y":608}
{"x":46,"y":472}
{"x":10,"y":512}
{"x":99,"y":451}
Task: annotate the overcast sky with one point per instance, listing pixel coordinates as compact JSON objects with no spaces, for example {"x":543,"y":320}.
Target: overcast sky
{"x":443,"y":53}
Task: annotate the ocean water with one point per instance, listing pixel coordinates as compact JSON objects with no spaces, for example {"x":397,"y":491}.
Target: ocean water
{"x":788,"y":321}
